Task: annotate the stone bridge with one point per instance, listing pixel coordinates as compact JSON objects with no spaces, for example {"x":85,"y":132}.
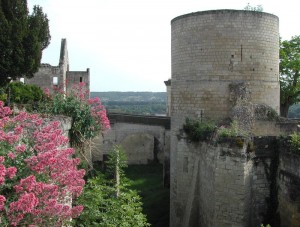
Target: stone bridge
{"x":145,"y":139}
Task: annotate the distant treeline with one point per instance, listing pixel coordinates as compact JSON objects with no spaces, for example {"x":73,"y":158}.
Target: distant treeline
{"x":131,"y":96}
{"x":294,"y":111}
{"x":144,"y":103}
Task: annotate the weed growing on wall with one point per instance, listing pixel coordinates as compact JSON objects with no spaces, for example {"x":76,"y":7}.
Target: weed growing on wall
{"x":295,"y":142}
{"x":231,"y":131}
{"x":197,"y":130}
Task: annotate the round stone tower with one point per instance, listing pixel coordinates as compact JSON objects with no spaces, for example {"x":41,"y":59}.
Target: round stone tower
{"x":213,"y":49}
{"x":213,"y":52}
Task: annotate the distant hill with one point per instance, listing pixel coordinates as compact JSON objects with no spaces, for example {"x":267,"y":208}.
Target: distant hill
{"x":130,"y":96}
{"x":145,"y":103}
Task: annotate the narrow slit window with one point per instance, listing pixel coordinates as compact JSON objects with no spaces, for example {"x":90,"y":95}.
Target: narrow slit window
{"x":55,"y":80}
{"x":80,"y":79}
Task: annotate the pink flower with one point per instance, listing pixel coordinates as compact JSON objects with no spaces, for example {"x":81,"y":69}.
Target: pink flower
{"x":18,"y":130}
{"x":11,"y":155}
{"x":2,"y":202}
{"x":2,"y":180}
{"x":2,"y":159}
{"x":11,"y":172}
{"x":26,"y":203}
{"x":47,"y":92}
{"x":20,"y":148}
{"x":76,"y":211}
{"x":2,"y":170}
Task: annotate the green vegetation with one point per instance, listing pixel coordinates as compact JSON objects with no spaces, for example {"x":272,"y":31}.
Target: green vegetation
{"x":232,"y":131}
{"x":148,"y":181}
{"x":130,"y":96}
{"x":257,"y":8}
{"x":142,"y":108}
{"x":23,"y":37}
{"x":295,"y":142}
{"x":289,"y":69}
{"x":197,"y":130}
{"x":24,"y":93}
{"x":144,"y":103}
{"x":88,"y":116}
{"x":110,"y":202}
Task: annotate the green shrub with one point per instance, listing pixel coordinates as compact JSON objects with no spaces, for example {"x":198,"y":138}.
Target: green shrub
{"x":232,"y":131}
{"x":103,"y":206}
{"x":198,"y":131}
{"x":295,"y":142}
{"x":24,"y":93}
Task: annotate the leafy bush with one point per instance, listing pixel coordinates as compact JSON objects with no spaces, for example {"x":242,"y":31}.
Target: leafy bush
{"x":198,"y":131}
{"x":295,"y":142}
{"x":88,"y":115}
{"x":232,"y":131}
{"x":110,"y":202}
{"x":24,"y":93}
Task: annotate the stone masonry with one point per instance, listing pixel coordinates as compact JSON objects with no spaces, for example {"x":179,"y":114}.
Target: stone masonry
{"x":59,"y":76}
{"x":213,"y":54}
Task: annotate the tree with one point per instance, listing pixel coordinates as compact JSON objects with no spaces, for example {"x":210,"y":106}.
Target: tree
{"x":23,"y":37}
{"x":289,"y":69}
{"x":107,"y":199}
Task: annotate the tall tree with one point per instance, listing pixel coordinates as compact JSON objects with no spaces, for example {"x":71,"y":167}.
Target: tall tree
{"x":289,"y":74}
{"x":23,"y":37}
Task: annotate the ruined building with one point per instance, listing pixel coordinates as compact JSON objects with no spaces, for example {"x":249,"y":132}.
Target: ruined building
{"x":48,"y":76}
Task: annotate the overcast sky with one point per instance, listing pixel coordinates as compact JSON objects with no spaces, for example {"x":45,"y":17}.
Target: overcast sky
{"x":127,"y":43}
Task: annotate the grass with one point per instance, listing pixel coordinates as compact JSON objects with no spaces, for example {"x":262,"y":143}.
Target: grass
{"x":148,"y":181}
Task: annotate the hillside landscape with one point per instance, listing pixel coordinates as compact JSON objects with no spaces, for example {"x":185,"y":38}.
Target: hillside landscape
{"x":144,"y":103}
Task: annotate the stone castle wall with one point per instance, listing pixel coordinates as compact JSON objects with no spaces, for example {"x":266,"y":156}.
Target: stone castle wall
{"x":47,"y":75}
{"x":144,"y":139}
{"x":212,"y":187}
{"x":225,"y":183}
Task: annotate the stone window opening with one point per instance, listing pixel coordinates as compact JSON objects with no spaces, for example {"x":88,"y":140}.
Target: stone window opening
{"x":55,"y":81}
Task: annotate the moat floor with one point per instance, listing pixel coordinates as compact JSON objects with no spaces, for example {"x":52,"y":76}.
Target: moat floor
{"x":148,"y":181}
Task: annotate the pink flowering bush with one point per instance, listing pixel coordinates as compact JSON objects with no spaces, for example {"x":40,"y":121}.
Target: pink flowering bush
{"x":88,"y":115}
{"x":38,"y":176}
